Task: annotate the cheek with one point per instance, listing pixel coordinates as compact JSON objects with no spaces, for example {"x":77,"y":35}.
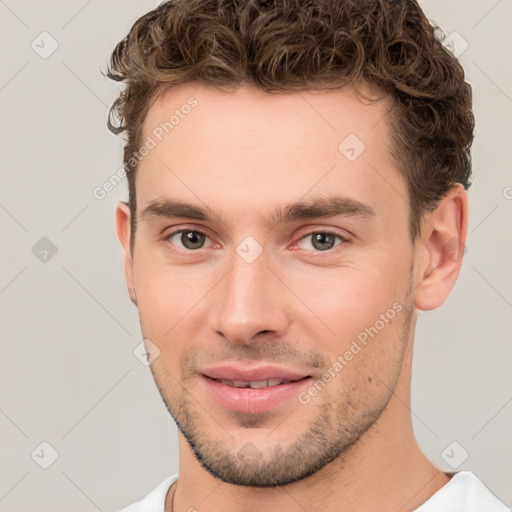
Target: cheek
{"x":330,"y":303}
{"x":168,"y":295}
{"x":348,"y":299}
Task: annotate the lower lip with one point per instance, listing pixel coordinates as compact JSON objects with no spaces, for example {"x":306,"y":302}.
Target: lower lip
{"x":250,"y":400}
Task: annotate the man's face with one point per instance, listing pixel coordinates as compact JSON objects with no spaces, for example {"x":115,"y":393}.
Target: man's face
{"x":258,"y":285}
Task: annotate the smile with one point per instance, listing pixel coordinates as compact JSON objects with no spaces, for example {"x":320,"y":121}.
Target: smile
{"x":256,"y":384}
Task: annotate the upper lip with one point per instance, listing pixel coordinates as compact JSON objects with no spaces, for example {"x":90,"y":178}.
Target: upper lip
{"x":260,"y":373}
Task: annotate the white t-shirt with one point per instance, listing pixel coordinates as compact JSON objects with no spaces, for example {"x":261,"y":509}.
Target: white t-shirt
{"x":465,"y":492}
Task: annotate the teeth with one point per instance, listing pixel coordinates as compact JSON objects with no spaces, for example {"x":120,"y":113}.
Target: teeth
{"x":256,"y":384}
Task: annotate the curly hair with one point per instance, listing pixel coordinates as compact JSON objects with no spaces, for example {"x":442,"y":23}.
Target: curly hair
{"x":299,"y":45}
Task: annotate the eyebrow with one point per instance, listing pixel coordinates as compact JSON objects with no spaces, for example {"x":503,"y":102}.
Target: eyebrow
{"x":321,"y":207}
{"x":172,"y":209}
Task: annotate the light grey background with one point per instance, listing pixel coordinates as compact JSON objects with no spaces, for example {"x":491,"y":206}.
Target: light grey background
{"x":68,"y":373}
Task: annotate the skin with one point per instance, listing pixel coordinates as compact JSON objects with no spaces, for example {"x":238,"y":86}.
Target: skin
{"x":244,"y":154}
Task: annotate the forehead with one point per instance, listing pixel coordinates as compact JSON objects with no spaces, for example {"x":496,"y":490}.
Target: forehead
{"x":253,"y":148}
{"x":308,"y":116}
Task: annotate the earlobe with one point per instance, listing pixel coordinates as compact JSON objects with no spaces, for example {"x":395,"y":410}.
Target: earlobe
{"x":124,"y":235}
{"x":443,"y":242}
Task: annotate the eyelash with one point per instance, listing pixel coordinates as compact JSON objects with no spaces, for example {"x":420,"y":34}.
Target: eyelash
{"x":343,"y":239}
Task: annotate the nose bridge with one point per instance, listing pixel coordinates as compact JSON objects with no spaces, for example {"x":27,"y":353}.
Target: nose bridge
{"x":247,"y":301}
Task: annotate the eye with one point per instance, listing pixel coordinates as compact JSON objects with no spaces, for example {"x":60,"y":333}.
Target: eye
{"x":322,"y":240}
{"x":190,"y":239}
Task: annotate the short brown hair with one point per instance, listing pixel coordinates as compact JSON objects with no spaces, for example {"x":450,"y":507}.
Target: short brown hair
{"x":297,"y":45}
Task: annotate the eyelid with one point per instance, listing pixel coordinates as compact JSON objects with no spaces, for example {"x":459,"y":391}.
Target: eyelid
{"x":203,"y":231}
{"x":175,"y":231}
{"x":326,"y":231}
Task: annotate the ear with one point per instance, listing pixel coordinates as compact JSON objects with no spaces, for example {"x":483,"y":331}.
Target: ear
{"x":440,"y":249}
{"x":124,"y":235}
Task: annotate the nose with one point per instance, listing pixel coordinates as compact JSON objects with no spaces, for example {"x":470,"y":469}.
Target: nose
{"x":250,"y":300}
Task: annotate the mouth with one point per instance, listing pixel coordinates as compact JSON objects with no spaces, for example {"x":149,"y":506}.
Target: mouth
{"x":256,"y":384}
{"x":254,"y":396}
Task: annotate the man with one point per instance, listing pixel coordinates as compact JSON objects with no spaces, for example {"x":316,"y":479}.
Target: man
{"x":297,"y":191}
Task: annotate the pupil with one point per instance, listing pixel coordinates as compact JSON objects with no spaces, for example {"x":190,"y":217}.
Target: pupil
{"x":192,"y":239}
{"x":323,"y":238}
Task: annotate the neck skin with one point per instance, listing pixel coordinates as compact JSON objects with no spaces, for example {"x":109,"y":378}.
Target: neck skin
{"x":384,"y":471}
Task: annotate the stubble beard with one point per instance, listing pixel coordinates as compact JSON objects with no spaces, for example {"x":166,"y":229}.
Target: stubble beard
{"x":335,"y":427}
